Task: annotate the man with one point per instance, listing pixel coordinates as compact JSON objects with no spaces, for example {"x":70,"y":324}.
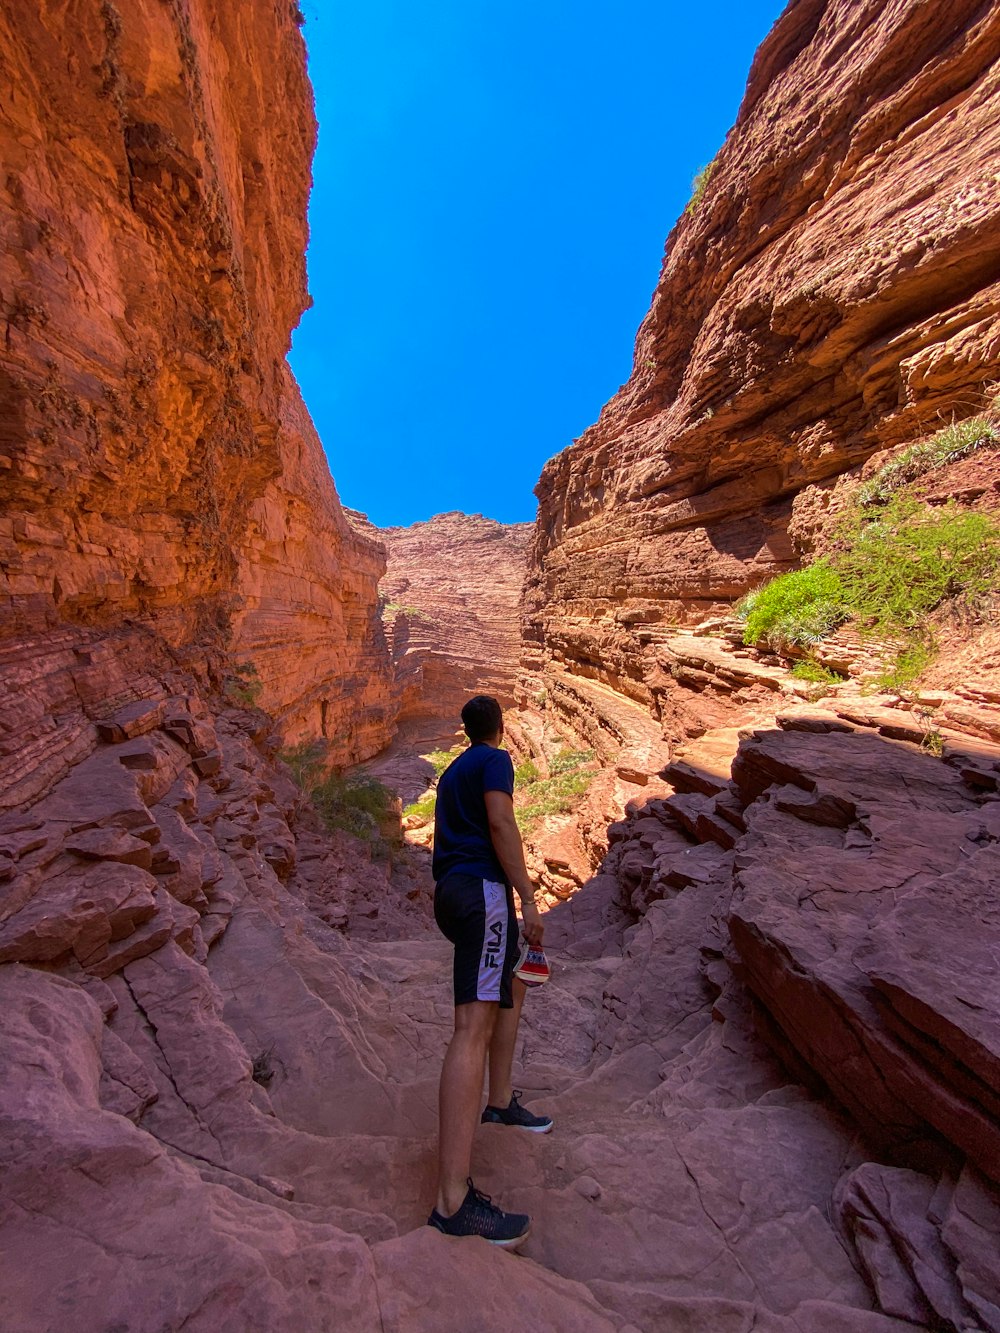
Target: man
{"x":478,"y":858}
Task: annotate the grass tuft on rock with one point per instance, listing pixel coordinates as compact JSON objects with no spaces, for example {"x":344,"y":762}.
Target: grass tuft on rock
{"x":890,"y":571}
{"x":355,"y":802}
{"x":817,"y":674}
{"x":569,"y":777}
{"x":956,"y":441}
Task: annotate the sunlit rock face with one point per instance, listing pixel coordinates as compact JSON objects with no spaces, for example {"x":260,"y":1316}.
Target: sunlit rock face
{"x":833,"y":291}
{"x":159,"y":467}
{"x":307,"y":613}
{"x":451,"y":600}
{"x":222,"y":1025}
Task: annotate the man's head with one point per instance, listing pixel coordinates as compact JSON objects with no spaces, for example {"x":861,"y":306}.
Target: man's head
{"x":482,"y":718}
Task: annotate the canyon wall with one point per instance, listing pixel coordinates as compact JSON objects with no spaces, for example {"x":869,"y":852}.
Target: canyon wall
{"x":222,"y":1023}
{"x":832,"y":291}
{"x":158,"y":467}
{"x":451,"y":600}
{"x":307,"y":607}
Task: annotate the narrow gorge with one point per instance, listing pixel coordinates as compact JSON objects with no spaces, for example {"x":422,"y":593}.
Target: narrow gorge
{"x":770,"y":857}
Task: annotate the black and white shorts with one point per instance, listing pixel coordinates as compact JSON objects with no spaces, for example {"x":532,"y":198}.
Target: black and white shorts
{"x":478,"y":916}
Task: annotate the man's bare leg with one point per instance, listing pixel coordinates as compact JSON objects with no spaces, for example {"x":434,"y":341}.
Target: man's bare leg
{"x":502,"y":1048}
{"x":460,"y":1099}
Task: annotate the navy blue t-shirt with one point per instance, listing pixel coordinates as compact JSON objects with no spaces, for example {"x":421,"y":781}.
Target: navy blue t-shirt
{"x":461,"y":826}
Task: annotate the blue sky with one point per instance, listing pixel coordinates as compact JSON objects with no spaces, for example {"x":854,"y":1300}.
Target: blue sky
{"x":492,"y":189}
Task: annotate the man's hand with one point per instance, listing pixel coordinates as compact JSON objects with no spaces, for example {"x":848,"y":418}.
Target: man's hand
{"x":532,"y":927}
{"x":510,"y":853}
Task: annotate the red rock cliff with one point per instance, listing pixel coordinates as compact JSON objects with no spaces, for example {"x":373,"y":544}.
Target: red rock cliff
{"x":159,"y":468}
{"x":216,"y":1111}
{"x":833,"y":291}
{"x":451,"y":596}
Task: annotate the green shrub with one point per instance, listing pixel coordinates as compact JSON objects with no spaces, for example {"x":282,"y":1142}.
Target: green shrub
{"x":424,"y":808}
{"x":813,"y":671}
{"x":354,"y":802}
{"x":306,"y":760}
{"x":557,"y":794}
{"x":933,"y":742}
{"x":797,"y":608}
{"x":890,"y":571}
{"x":699,"y":185}
{"x":568,"y":761}
{"x":399,"y":608}
{"x":440,"y":759}
{"x":897,"y":568}
{"x":243,"y":685}
{"x":956,"y":441}
{"x":550,"y":796}
{"x":526,"y":771}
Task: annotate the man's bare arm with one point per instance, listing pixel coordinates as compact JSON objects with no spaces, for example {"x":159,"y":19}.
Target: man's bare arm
{"x":506,"y":839}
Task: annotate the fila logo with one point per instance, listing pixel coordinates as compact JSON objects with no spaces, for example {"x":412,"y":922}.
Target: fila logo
{"x":490,"y":957}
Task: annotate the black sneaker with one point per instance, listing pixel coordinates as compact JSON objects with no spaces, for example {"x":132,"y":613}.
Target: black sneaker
{"x":516,"y":1114}
{"x":479,"y":1216}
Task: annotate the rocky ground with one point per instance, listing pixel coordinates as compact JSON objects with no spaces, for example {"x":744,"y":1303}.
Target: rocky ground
{"x":220,"y":1062}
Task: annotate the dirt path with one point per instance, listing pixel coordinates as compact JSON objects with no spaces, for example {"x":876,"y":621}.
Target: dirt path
{"x":688,"y":1177}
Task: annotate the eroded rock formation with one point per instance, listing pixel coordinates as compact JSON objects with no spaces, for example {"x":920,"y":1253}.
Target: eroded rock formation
{"x":158,"y":466}
{"x":770,"y":1040}
{"x":837,"y":889}
{"x":216,"y":1139}
{"x":833,"y":291}
{"x":451,"y":596}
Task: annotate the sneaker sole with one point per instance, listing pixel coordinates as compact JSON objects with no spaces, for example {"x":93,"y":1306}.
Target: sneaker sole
{"x":514,"y":1242}
{"x":531,"y":1129}
{"x":511,"y":1244}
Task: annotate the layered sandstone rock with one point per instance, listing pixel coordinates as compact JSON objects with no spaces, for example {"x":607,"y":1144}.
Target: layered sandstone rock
{"x":222,"y":1108}
{"x":307,"y":615}
{"x":214,"y":1105}
{"x":451,"y":595}
{"x":832,"y":292}
{"x":845,"y":878}
{"x":158,"y":465}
